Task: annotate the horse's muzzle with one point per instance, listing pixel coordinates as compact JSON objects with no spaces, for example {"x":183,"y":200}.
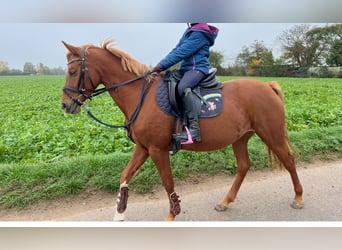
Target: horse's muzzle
{"x":72,"y":108}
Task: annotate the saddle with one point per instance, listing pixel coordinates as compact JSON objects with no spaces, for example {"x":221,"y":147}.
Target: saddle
{"x":208,"y":103}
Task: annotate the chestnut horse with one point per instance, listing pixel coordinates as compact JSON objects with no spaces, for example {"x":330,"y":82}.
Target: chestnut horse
{"x":249,"y":107}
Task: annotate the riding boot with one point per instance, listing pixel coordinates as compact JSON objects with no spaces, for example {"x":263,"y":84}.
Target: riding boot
{"x":192,"y":133}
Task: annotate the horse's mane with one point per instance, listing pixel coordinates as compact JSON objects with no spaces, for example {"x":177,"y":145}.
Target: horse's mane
{"x":127,"y":61}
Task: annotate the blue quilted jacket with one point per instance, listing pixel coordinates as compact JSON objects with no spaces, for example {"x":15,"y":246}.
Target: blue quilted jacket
{"x":192,"y":50}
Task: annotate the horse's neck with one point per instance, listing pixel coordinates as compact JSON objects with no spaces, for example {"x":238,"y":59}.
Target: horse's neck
{"x":126,"y":97}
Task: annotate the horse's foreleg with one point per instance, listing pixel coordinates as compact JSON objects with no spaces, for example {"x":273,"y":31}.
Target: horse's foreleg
{"x":243,"y":165}
{"x":162,"y":161}
{"x":138,"y":158}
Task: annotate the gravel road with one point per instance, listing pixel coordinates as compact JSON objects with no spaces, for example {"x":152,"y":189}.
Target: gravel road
{"x":264,"y":196}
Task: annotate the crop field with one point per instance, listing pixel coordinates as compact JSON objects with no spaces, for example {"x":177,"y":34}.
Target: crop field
{"x":45,"y":153}
{"x":34,"y":128}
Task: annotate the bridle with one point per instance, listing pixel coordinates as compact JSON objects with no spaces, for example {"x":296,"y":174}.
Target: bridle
{"x":81,"y":90}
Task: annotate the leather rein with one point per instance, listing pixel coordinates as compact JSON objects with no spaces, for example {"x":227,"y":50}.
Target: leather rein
{"x":82,"y":93}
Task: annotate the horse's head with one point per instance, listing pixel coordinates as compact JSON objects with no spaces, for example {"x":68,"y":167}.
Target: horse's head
{"x":89,"y":66}
{"x":79,"y":85}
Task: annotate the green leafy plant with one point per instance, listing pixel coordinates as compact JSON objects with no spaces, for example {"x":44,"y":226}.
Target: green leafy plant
{"x":45,"y":154}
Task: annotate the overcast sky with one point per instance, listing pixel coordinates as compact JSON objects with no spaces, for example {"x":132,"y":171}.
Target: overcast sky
{"x":147,"y":42}
{"x":32,"y":30}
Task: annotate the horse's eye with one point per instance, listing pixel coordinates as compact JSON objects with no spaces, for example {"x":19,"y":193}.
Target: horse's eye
{"x":72,"y":72}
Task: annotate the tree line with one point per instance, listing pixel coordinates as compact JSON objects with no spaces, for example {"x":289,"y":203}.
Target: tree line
{"x":306,"y":52}
{"x":30,"y":69}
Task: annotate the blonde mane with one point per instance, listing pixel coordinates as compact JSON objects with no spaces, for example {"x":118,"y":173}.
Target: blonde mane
{"x":127,"y":61}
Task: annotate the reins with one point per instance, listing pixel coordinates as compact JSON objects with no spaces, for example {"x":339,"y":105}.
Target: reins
{"x":98,"y":92}
{"x":82,"y":91}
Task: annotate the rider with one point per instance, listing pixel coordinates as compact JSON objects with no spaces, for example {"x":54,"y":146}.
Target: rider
{"x":193,"y":52}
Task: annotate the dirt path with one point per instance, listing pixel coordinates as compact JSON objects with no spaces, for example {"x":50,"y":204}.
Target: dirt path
{"x":264,"y":196}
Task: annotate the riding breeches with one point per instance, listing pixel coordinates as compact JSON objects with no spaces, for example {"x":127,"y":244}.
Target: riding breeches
{"x":190,"y":79}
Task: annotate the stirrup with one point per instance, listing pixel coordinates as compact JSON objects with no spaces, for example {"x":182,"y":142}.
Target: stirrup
{"x":189,"y":141}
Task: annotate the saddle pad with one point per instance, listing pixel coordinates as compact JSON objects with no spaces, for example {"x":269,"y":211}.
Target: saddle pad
{"x":212,"y":105}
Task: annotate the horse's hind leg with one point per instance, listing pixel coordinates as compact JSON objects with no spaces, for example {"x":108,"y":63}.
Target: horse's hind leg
{"x":282,"y":151}
{"x":243,"y":165}
{"x":274,"y":136}
{"x":138,"y":158}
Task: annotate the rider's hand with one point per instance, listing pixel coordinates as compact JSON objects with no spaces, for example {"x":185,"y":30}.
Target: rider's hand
{"x":157,"y":69}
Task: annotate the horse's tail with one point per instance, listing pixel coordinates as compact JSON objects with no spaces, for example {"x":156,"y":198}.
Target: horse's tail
{"x":277,"y":89}
{"x":273,"y":159}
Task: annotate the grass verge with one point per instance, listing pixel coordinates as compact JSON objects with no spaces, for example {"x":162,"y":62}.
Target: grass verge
{"x":22,"y":184}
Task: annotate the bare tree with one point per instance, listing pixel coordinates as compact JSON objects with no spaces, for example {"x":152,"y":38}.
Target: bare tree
{"x":4,"y":68}
{"x":299,"y":48}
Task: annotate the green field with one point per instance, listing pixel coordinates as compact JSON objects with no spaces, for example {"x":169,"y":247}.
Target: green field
{"x":45,"y":153}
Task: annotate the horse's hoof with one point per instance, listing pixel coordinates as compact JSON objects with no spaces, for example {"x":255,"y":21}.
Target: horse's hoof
{"x":297,"y":205}
{"x":170,"y":217}
{"x":220,"y":208}
{"x":118,"y":216}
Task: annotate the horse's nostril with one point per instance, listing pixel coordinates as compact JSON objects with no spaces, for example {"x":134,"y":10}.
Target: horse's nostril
{"x":63,"y":106}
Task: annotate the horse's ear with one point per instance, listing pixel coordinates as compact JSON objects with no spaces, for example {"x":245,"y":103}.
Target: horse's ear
{"x":73,"y":49}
